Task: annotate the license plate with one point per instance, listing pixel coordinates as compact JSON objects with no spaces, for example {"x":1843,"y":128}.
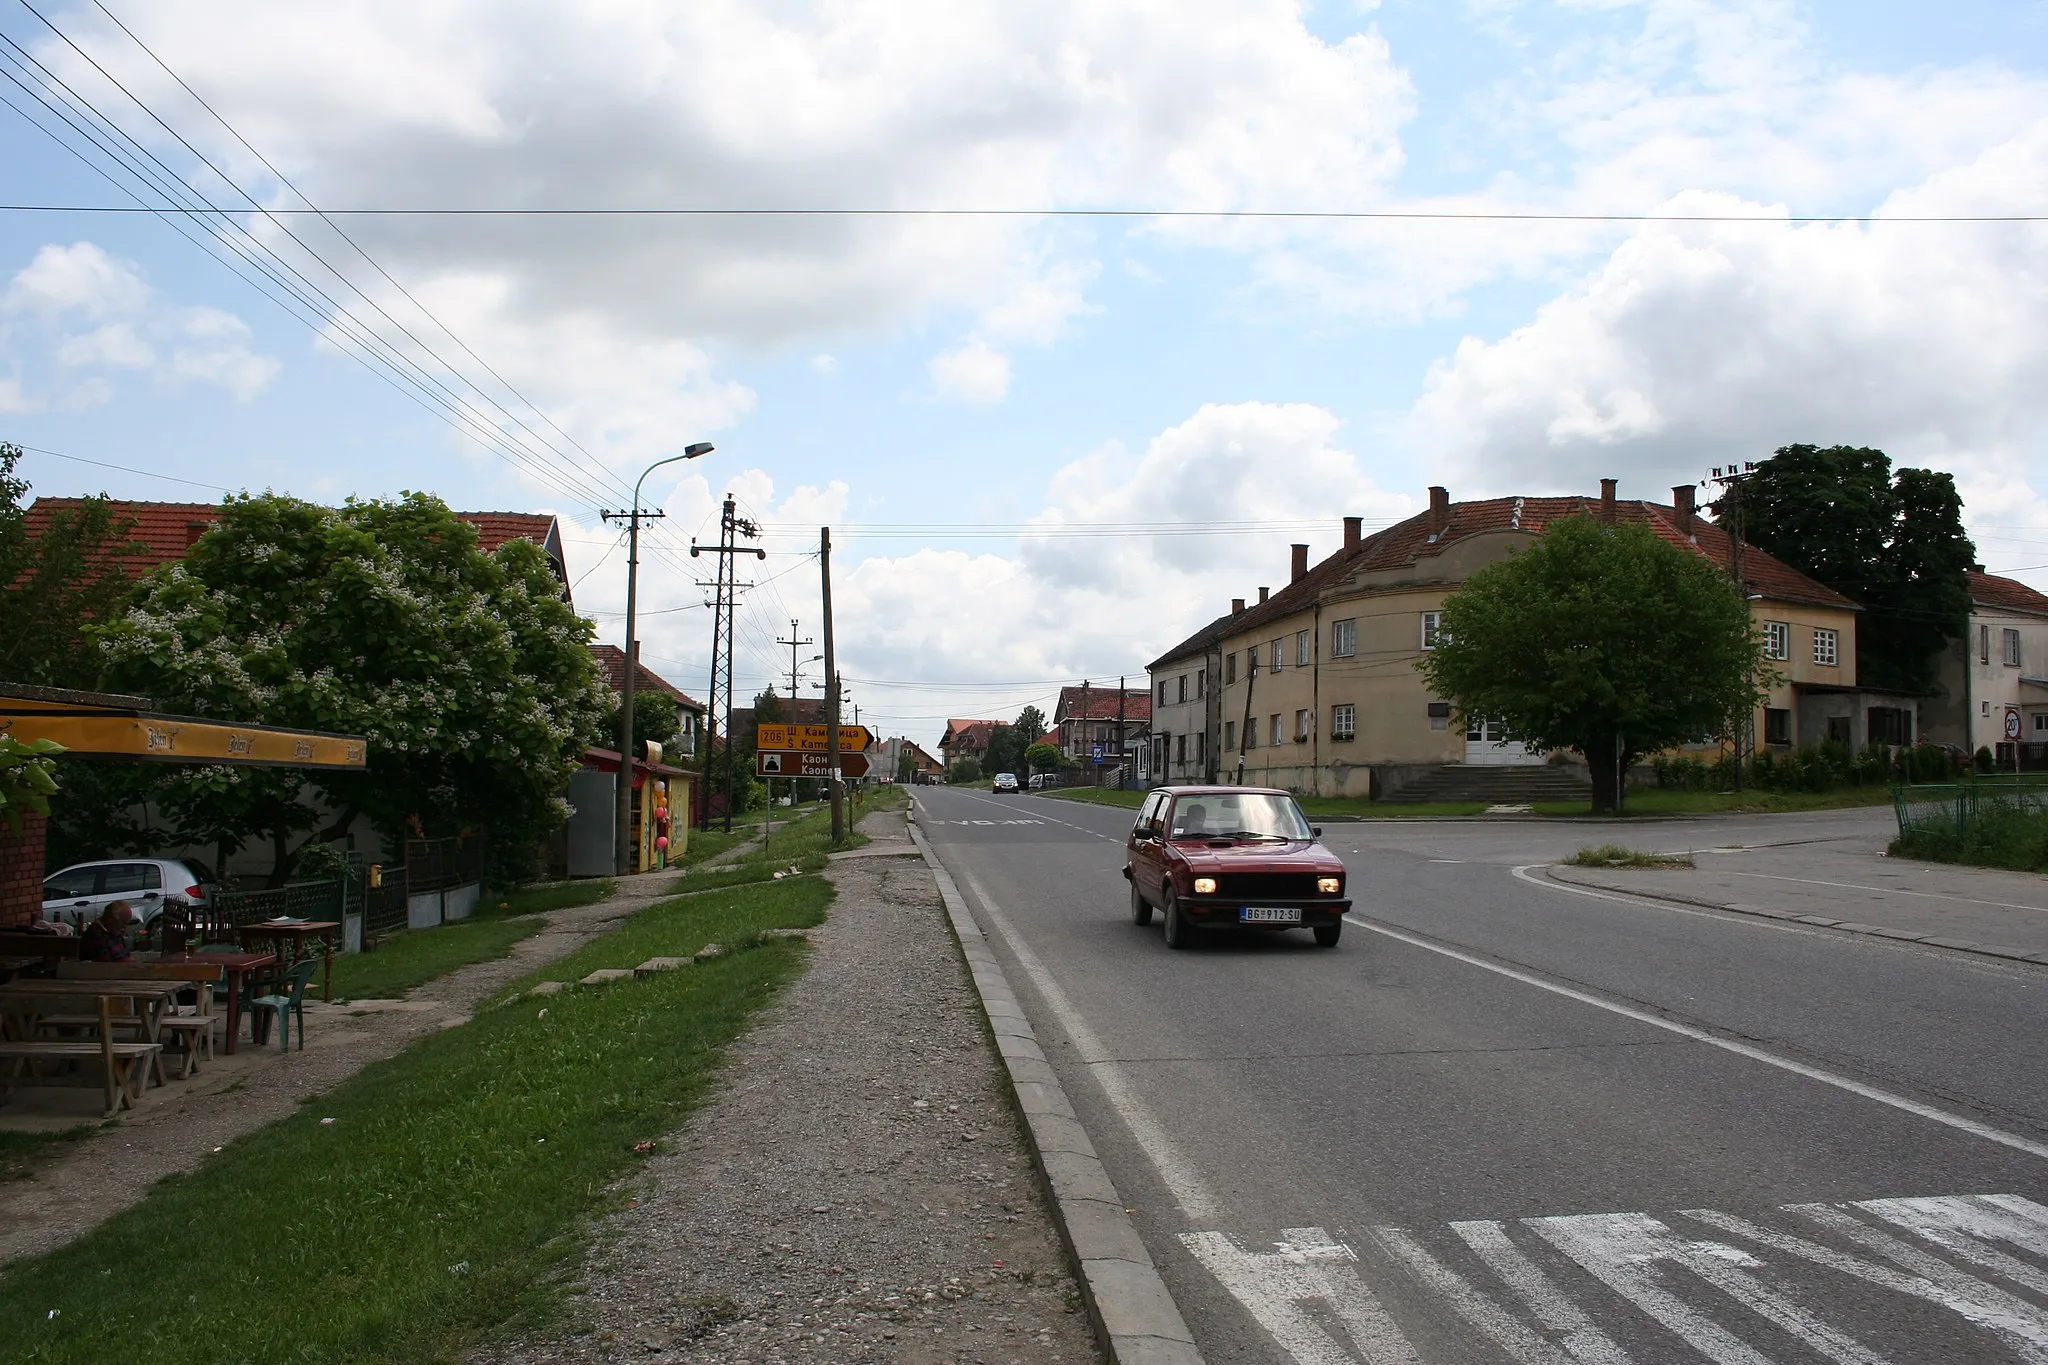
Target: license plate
{"x":1259,"y":914}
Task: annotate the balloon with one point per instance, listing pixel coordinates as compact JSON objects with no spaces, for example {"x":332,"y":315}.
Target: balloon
{"x":661,"y":842}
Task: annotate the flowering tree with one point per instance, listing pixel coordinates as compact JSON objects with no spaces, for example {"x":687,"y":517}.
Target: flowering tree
{"x":469,"y":673}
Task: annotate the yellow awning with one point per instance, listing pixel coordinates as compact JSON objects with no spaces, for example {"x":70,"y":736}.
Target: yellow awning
{"x":103,"y":725}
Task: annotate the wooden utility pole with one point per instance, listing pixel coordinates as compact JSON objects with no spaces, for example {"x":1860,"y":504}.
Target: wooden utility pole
{"x":831,"y":689}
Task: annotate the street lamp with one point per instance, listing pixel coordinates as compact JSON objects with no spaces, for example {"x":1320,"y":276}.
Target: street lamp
{"x":622,"y":855}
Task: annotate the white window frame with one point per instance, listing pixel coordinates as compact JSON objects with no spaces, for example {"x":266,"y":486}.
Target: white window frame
{"x":1279,"y":735}
{"x":1279,"y":655}
{"x":1301,"y":650}
{"x":1302,"y":725}
{"x":1777,"y":639}
{"x":2010,"y":642}
{"x":1344,"y":639}
{"x":1343,"y":721}
{"x":1432,"y":628}
{"x":1827,"y":647}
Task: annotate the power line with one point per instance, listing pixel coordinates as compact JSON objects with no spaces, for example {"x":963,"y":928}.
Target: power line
{"x":125,"y":469}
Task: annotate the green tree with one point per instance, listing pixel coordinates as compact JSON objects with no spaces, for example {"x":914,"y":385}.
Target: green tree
{"x":53,"y":582}
{"x":1030,"y":726}
{"x":966,"y":769}
{"x":1892,"y":542}
{"x":27,"y":778}
{"x":655,"y":717}
{"x":468,"y":672}
{"x":1043,"y":757}
{"x":1605,"y":640}
{"x":1005,"y":751}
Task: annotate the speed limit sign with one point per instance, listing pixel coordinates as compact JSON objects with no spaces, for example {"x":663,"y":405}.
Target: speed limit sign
{"x":2012,"y":722}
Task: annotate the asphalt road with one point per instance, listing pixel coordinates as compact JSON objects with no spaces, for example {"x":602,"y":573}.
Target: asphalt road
{"x":1502,"y":1122}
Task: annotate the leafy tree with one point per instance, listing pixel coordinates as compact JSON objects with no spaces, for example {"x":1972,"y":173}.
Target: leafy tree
{"x":1030,"y":726}
{"x":50,"y":583}
{"x":1005,"y":751}
{"x":468,"y":672}
{"x":27,"y":778}
{"x":1893,"y":543}
{"x":1606,"y":640}
{"x":1043,"y":757}
{"x":655,"y":717}
{"x":966,"y":769}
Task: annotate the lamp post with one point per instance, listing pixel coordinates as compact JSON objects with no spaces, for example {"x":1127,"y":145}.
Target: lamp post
{"x":622,"y":855}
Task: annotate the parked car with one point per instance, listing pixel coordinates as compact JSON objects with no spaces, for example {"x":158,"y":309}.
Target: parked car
{"x":1005,"y":782}
{"x":1037,"y":782}
{"x":1237,"y":858}
{"x":77,"y":894}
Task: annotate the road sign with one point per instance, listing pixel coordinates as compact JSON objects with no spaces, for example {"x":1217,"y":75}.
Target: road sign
{"x":2012,"y":722}
{"x":853,"y":739}
{"x":806,"y":763}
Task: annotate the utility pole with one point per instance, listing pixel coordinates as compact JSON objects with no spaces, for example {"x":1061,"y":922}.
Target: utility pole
{"x":1123,"y":779}
{"x":1088,"y":737}
{"x":730,"y":526}
{"x":1731,"y":479}
{"x":622,"y":815}
{"x":831,"y":688}
{"x":794,"y":645}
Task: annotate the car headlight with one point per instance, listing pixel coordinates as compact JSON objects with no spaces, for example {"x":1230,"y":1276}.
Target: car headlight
{"x":1329,"y":886}
{"x":1205,"y":886}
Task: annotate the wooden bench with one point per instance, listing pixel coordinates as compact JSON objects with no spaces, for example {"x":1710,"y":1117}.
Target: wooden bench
{"x":124,"y":1067}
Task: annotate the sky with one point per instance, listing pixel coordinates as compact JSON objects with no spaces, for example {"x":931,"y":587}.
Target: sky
{"x":1057,"y":427}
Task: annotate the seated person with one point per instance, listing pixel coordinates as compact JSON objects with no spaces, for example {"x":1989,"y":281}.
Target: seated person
{"x":1190,"y":821}
{"x":107,"y":939}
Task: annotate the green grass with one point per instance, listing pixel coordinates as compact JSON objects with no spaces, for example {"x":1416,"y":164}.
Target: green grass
{"x":1996,"y":837}
{"x":531,"y":900}
{"x":417,"y":956}
{"x":450,"y":1195}
{"x":1657,"y":802}
{"x":1614,"y":855}
{"x":709,"y":843}
{"x":1326,"y":807}
{"x":21,"y":1152}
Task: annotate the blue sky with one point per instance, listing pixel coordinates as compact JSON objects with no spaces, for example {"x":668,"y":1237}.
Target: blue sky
{"x":915,"y":376}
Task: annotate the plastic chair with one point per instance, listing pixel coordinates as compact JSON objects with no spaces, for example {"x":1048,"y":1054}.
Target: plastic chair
{"x":284,"y":1006}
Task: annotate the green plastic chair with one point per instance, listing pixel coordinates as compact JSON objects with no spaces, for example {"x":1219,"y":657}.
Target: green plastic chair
{"x":285,"y":1006}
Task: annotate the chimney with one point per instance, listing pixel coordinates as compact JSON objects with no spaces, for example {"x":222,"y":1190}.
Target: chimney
{"x":1607,"y":500}
{"x":1262,"y":594}
{"x":194,"y":530}
{"x":636,"y":651}
{"x":1237,"y":606}
{"x":1354,"y":531}
{"x":1298,"y":570}
{"x":1681,"y":502}
{"x":1439,"y":507}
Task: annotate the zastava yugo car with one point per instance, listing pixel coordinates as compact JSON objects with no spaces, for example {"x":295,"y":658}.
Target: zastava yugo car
{"x":1231,"y":858}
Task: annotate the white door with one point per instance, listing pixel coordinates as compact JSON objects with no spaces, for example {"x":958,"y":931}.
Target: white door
{"x":1487,"y":742}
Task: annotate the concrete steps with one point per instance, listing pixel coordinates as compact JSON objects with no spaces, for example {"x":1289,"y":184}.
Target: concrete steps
{"x":1496,"y":786}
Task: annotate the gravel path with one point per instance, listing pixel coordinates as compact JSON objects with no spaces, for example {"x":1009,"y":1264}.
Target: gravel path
{"x":177,"y":1125}
{"x":858,"y":1190}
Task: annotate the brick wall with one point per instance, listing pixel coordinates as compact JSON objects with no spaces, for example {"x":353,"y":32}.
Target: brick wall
{"x":21,"y":872}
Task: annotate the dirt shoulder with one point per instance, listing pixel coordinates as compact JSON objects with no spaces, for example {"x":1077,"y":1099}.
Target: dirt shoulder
{"x":857,"y":1190}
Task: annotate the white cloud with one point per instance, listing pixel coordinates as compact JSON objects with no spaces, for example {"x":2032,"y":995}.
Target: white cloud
{"x":975,"y":373}
{"x":127,"y":326}
{"x":824,"y":363}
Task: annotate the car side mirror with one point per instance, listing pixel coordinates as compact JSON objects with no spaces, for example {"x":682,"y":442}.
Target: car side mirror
{"x":1315,"y":831}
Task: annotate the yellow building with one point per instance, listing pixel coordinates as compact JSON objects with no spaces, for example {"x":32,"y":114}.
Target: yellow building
{"x":1315,"y":687}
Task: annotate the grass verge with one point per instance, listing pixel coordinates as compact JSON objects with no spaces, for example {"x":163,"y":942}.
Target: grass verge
{"x":1614,"y":855}
{"x":2014,"y":840}
{"x":20,"y":1152}
{"x":1655,"y":802}
{"x":448,"y":1195}
{"x":403,"y":961}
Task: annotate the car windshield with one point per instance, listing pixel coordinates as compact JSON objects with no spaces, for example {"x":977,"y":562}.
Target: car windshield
{"x":1238,"y":815}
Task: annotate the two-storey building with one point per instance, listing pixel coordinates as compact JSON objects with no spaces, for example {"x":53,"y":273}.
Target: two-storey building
{"x":1103,"y":729}
{"x":1993,"y":688}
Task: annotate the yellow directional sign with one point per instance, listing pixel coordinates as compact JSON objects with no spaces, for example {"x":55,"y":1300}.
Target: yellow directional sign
{"x":853,"y":739}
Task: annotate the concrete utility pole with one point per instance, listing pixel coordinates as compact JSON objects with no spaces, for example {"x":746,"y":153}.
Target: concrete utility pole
{"x":1732,"y":480}
{"x":831,"y":689}
{"x":1123,"y":779}
{"x":730,"y":526}
{"x":622,"y":815}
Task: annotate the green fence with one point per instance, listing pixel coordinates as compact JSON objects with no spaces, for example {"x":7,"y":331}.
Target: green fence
{"x":1951,"y":807}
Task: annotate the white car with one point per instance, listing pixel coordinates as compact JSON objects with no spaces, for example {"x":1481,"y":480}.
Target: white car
{"x":78,"y":894}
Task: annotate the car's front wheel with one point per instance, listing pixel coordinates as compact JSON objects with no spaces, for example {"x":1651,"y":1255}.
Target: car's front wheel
{"x":1141,"y":909}
{"x":1179,"y":933}
{"x":1328,"y":934}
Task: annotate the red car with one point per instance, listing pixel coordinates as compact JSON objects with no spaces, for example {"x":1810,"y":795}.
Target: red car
{"x":1231,"y":858}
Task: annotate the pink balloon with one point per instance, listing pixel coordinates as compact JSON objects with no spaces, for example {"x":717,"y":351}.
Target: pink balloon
{"x":661,"y":842}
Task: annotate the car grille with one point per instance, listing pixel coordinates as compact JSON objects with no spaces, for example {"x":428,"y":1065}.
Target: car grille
{"x":1266,"y":885}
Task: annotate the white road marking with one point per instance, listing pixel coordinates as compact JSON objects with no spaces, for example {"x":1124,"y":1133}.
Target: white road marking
{"x":1965,"y":1228}
{"x":1006,"y":805}
{"x":1497,"y":1324}
{"x":1553,"y":1310}
{"x":1175,"y":1172}
{"x":1889,"y":891}
{"x":1698,"y":1035}
{"x":1307,"y":1267}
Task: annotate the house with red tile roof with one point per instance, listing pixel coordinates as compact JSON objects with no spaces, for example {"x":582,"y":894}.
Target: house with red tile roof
{"x":1314,"y":687}
{"x":965,"y":739}
{"x":162,"y":532}
{"x":1104,"y":730}
{"x":1992,"y":690}
{"x":611,"y":662}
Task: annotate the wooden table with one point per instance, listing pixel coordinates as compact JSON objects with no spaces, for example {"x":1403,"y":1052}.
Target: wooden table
{"x":293,"y":935}
{"x":238,"y":967}
{"x":146,"y":1000}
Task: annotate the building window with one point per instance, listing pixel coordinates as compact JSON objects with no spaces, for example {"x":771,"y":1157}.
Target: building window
{"x":1162,"y":694}
{"x":1251,"y":734}
{"x":1894,"y":725}
{"x":1230,"y":669}
{"x":1777,"y":640}
{"x":1202,"y":683}
{"x":1343,"y":721}
{"x":2012,"y":649}
{"x":1180,"y":748}
{"x":1827,"y":650}
{"x":2040,"y":722}
{"x":1343,"y":639}
{"x":1777,"y":725}
{"x":1301,"y":649}
{"x":1183,"y":682}
{"x":1279,"y":735}
{"x":1229,"y":735}
{"x":1301,"y":726}
{"x":1251,"y":662}
{"x":1983,"y":644}
{"x":1277,"y":655}
{"x":1432,"y":628}
{"x":1439,"y":715}
{"x":1200,"y":735}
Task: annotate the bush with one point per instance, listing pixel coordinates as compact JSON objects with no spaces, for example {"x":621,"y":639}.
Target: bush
{"x":317,"y":862}
{"x":1998,"y":836}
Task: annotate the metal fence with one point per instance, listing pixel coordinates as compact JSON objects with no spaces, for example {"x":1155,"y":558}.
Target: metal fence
{"x":294,"y":900}
{"x":436,"y":864}
{"x":1950,"y":808}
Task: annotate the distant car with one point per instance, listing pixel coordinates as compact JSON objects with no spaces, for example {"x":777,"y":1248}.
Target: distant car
{"x":1239,"y":858}
{"x":1005,"y":782}
{"x":76,"y":895}
{"x":1037,"y":782}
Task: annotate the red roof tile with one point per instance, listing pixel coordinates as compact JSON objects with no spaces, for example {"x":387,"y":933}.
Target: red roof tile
{"x":2007,"y":594}
{"x":612,"y":660}
{"x":1102,"y":704}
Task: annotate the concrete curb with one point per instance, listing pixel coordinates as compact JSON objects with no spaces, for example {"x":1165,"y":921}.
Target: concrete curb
{"x":1554,"y":872}
{"x":1134,"y":1315}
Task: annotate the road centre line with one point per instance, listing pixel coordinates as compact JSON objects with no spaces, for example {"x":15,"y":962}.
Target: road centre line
{"x":1175,"y":1173}
{"x":1699,"y":1035}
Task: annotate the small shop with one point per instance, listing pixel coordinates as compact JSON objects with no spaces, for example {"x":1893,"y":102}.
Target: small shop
{"x":660,"y":815}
